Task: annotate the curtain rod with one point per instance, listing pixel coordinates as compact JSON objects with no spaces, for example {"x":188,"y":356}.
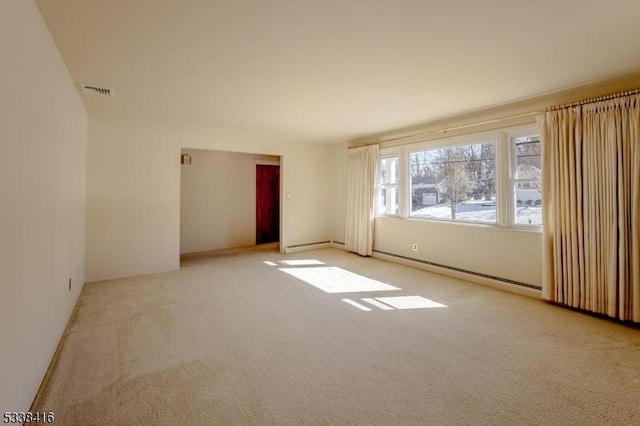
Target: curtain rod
{"x":463,"y":126}
{"x":592,"y":100}
{"x":509,"y":117}
{"x":362,"y":144}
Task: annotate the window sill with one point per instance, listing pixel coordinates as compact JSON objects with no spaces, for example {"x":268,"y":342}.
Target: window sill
{"x":522,"y":228}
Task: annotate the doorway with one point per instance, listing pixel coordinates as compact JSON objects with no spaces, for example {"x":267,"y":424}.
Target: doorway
{"x":218,"y":200}
{"x":267,"y":203}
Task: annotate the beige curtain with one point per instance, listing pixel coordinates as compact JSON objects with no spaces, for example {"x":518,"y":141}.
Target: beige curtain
{"x":361,"y":187}
{"x":591,"y":206}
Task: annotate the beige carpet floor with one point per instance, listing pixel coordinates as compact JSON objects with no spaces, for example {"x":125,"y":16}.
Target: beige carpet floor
{"x":245,"y":338}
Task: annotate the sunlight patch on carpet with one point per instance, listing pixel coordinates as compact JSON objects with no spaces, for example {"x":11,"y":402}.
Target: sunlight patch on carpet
{"x":302,"y":262}
{"x":270,"y":263}
{"x":356,"y":305}
{"x":331,"y":279}
{"x":410,"y":302}
{"x":377,"y":304}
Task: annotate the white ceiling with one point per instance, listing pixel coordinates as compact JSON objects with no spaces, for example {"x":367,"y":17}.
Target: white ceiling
{"x":330,"y":70}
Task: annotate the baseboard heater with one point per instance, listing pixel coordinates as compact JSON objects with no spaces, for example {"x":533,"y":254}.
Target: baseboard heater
{"x":294,"y":248}
{"x":308,"y":244}
{"x":453,"y":268}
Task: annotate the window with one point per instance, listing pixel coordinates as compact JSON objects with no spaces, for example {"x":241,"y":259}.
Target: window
{"x":455,"y":182}
{"x":388,"y":179}
{"x":526,"y":176}
{"x":491,"y":178}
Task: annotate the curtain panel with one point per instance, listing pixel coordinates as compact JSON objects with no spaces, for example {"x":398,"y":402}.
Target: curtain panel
{"x":591,"y":206}
{"x":361,"y":188}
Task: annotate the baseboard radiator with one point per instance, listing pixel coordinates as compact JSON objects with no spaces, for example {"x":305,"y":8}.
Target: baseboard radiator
{"x":460,"y":270}
{"x":487,"y":279}
{"x":307,"y":246}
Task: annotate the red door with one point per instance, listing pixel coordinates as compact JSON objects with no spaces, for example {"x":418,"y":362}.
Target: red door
{"x":267,"y":204}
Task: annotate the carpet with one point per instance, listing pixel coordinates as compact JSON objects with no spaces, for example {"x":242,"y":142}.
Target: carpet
{"x":328,"y":337}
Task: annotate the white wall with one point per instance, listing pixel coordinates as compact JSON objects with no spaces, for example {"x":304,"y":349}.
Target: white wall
{"x":218,"y":200}
{"x":133,"y":191}
{"x":43,"y":137}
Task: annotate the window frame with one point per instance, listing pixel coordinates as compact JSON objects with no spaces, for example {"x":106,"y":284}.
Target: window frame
{"x":380,"y":186}
{"x":467,"y":140}
{"x":505,"y":167}
{"x":513,"y":180}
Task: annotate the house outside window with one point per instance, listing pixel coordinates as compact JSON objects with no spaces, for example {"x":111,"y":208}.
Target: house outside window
{"x":454,"y":182}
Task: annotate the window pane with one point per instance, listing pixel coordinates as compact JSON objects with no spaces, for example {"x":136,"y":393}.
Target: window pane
{"x":455,"y":183}
{"x":528,"y":209}
{"x":388,"y":177}
{"x":388,"y":200}
{"x":528,"y":158}
{"x":389,"y":170}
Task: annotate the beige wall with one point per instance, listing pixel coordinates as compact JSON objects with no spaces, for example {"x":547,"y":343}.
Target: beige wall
{"x":133,"y":191}
{"x":508,"y":253}
{"x":43,"y":137}
{"x":504,"y":253}
{"x":218,"y":200}
{"x":339,"y":191}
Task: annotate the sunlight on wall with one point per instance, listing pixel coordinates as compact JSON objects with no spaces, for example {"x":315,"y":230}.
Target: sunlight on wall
{"x":331,"y":279}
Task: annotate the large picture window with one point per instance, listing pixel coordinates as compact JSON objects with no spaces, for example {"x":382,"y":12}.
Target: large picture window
{"x":492,"y":178}
{"x":454,"y":182}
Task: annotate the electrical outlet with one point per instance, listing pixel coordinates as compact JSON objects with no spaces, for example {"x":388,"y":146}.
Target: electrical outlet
{"x":69,"y":283}
{"x":414,"y":247}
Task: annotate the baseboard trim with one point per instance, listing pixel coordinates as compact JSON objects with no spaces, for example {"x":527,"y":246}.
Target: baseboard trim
{"x":339,"y":245}
{"x":40,"y":394}
{"x":230,"y":251}
{"x":296,"y":248}
{"x":476,"y":277}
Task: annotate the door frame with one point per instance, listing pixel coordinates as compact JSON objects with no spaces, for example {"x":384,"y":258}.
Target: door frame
{"x":281,"y":196}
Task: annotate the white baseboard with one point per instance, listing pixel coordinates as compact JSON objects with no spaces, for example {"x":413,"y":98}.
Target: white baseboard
{"x":307,"y":247}
{"x":338,"y":245}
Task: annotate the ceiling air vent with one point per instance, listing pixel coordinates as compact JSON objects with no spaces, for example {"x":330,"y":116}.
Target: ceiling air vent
{"x":86,"y":88}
